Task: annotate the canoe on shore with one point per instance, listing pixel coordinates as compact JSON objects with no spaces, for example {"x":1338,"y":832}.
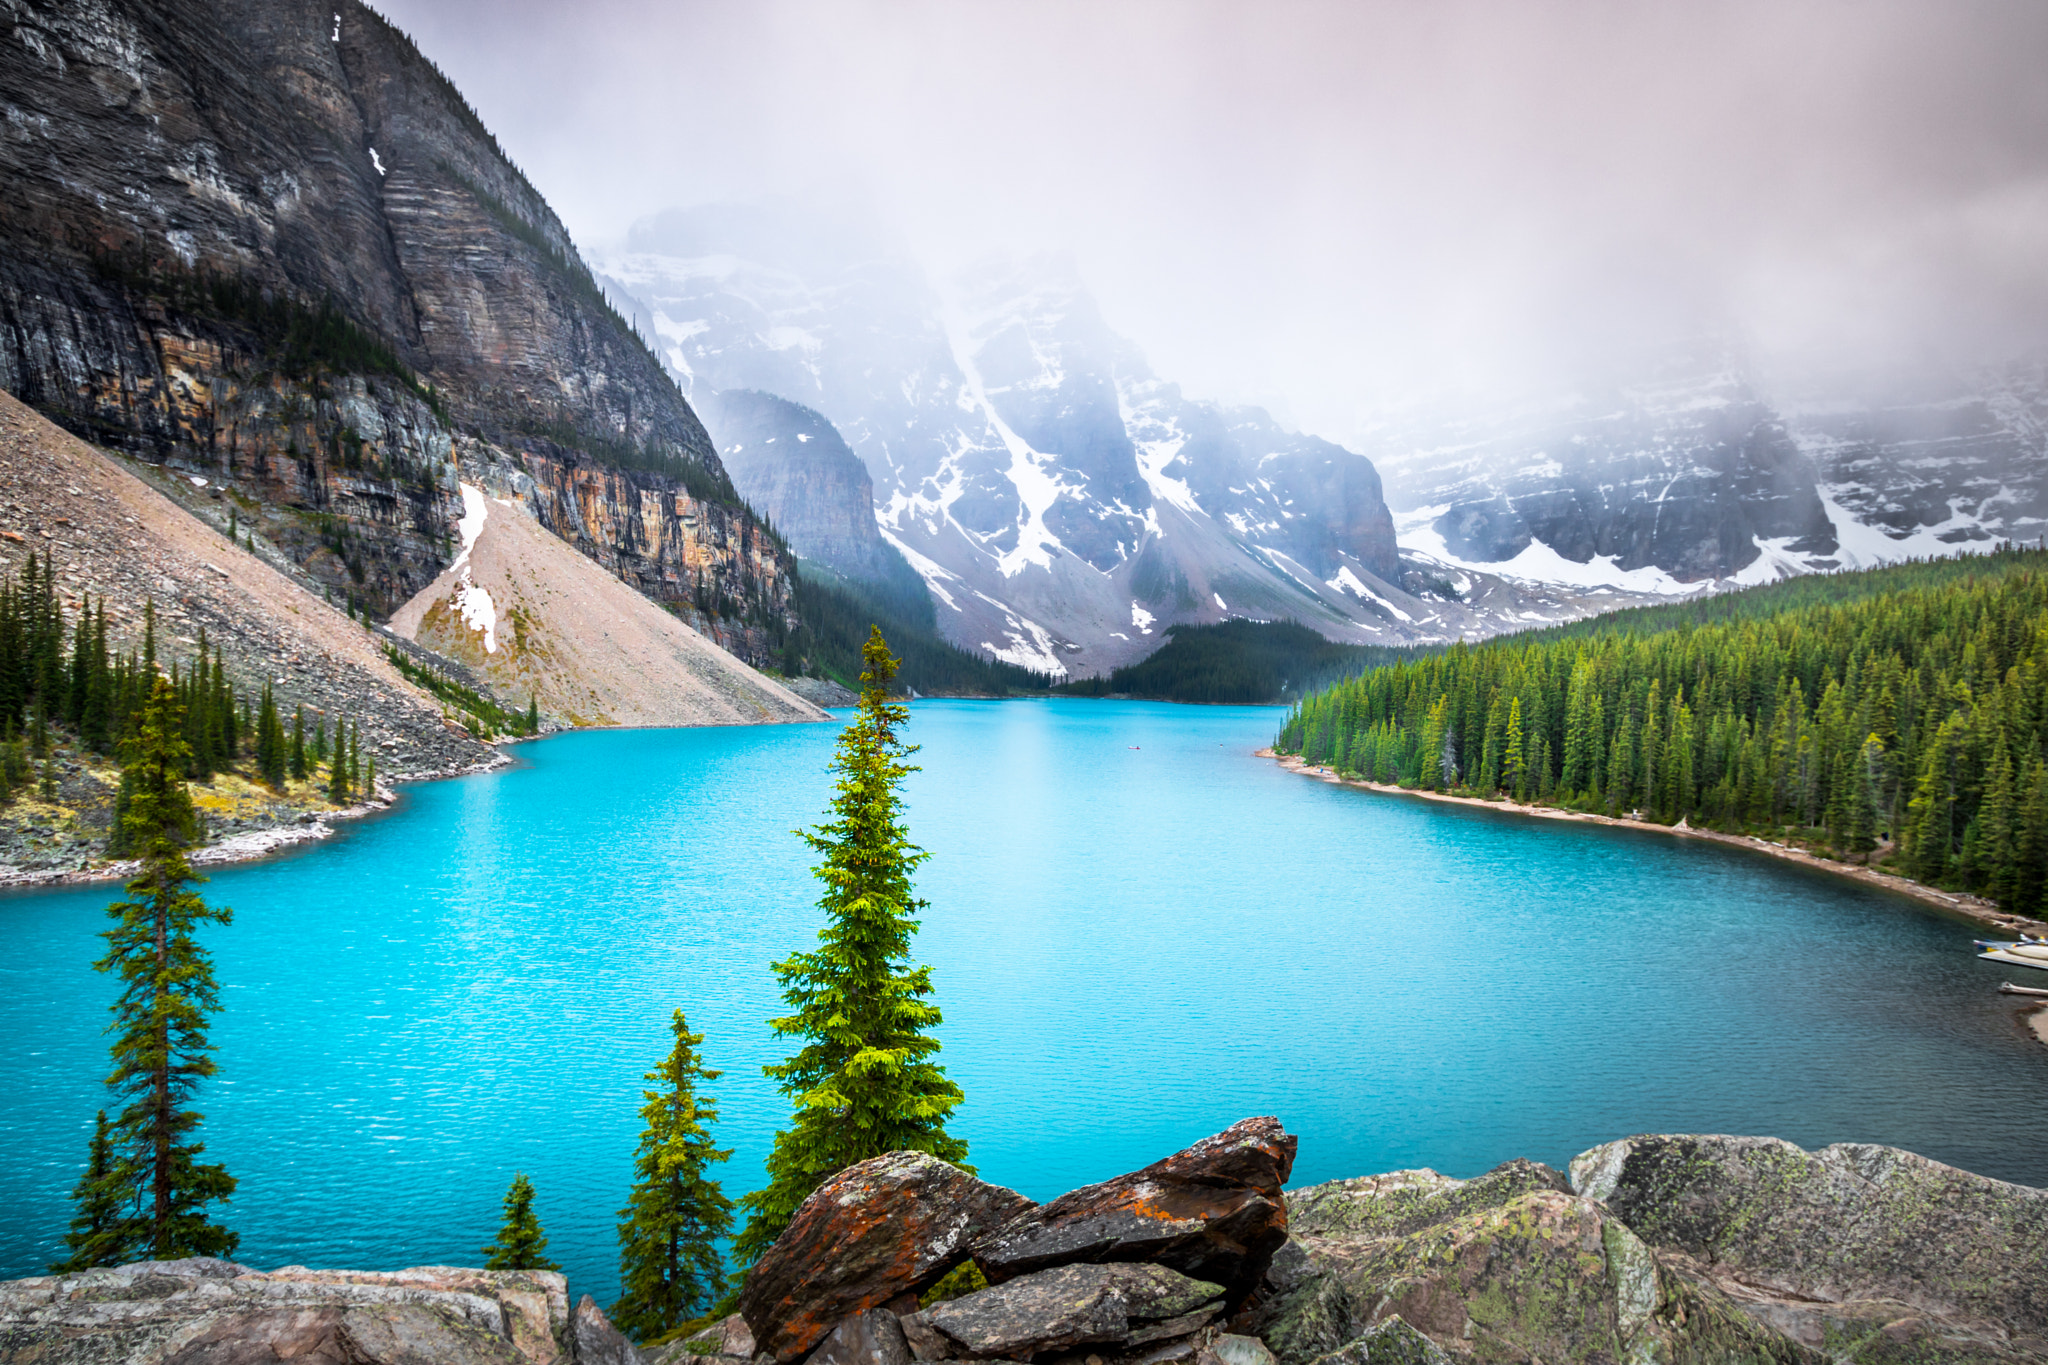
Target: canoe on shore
{"x":2018,"y":954}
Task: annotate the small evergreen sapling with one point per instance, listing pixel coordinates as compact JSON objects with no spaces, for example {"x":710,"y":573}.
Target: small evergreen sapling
{"x":521,"y":1243}
{"x":669,"y":1266}
{"x":864,"y":1082}
{"x":100,"y":1231}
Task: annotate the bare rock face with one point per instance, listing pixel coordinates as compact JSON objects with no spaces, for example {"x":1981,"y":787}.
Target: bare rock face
{"x":596,"y":1341}
{"x":267,"y":242}
{"x":1120,"y":1305}
{"x":1503,"y":1267}
{"x":209,"y":1312}
{"x":878,"y":1230}
{"x":871,"y":1338}
{"x":1848,"y":1243}
{"x":1213,"y":1211}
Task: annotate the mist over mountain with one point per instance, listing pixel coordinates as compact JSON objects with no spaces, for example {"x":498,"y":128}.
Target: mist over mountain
{"x":1061,"y":501}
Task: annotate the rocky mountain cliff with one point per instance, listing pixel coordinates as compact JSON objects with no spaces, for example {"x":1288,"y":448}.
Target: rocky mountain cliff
{"x":267,"y":242}
{"x":1062,"y":503}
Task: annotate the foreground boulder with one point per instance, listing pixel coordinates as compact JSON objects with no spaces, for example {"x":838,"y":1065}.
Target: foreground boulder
{"x":1120,"y":1306}
{"x":1870,"y":1248}
{"x":872,"y":1234}
{"x":1213,"y":1212}
{"x":1508,"y":1266}
{"x":210,"y":1312}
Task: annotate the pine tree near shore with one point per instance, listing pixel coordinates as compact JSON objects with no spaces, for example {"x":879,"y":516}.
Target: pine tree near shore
{"x":521,"y":1244}
{"x":864,"y":1082}
{"x":669,"y":1267}
{"x":161,"y":1051}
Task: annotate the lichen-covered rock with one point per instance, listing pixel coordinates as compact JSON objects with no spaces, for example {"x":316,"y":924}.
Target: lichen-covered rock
{"x":596,"y":1341}
{"x":1405,"y":1201}
{"x":1123,"y":1305}
{"x":1230,"y":1349}
{"x":1853,"y":1244}
{"x":1389,"y":1341}
{"x":209,"y":1312}
{"x":1213,"y":1211}
{"x":874,"y":1337}
{"x":877,"y":1230}
{"x":1505,"y":1267}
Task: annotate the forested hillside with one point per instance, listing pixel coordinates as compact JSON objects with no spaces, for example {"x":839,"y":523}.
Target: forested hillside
{"x":1900,"y":713}
{"x":1244,"y":662}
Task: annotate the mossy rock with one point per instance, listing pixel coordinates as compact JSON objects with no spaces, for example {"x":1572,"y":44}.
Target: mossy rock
{"x":1863,"y":1251}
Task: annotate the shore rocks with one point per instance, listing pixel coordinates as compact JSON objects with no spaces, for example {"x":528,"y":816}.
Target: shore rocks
{"x":1213,"y":1212}
{"x":1503,"y":1267}
{"x":1119,"y":1305}
{"x":209,"y":1312}
{"x":884,"y":1228}
{"x":1852,"y":1242}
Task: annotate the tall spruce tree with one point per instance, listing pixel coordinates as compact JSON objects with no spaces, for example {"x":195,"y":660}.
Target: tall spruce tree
{"x":669,"y":1266}
{"x":521,"y":1244}
{"x":864,"y":1082}
{"x":161,"y":1051}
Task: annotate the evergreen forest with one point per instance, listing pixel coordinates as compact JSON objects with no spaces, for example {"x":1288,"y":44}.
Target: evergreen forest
{"x":1896,"y":714}
{"x":63,"y":684}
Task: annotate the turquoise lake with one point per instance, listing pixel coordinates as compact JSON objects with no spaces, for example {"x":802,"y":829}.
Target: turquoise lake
{"x":1140,"y":933}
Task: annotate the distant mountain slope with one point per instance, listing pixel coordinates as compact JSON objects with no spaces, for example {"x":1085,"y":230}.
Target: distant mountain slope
{"x":1061,"y":501}
{"x":793,"y":467}
{"x":266,"y":241}
{"x":539,"y":622}
{"x":1704,"y":468}
{"x":111,"y":535}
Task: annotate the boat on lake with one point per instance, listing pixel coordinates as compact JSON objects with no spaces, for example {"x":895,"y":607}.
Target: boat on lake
{"x":2028,"y":952}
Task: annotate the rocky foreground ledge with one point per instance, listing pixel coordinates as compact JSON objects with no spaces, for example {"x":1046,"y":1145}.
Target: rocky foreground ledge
{"x":1652,"y":1251}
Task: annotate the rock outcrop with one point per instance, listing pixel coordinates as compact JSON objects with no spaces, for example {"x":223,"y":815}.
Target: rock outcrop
{"x":208,"y":1312}
{"x":266,"y":242}
{"x":1658,"y":1251}
{"x":1849,"y":1244}
{"x":873,"y":1233}
{"x":1214,"y":1212}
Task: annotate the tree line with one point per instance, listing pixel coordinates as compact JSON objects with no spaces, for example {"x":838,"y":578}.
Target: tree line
{"x":862,"y":1081}
{"x":1906,"y":713}
{"x":62,"y":682}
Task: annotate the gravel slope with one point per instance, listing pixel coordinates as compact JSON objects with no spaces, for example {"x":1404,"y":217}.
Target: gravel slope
{"x":592,"y":649}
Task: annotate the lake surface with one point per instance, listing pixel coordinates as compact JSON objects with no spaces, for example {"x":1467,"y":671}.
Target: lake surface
{"x":1139,"y":932}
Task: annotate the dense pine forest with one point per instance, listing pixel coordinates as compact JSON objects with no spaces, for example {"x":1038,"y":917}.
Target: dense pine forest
{"x":63,"y":686}
{"x":1897,"y":713}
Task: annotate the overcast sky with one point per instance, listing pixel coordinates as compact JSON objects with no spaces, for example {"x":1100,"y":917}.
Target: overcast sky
{"x":1340,"y":205}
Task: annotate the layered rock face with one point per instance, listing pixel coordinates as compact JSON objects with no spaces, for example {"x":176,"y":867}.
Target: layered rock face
{"x":267,"y":241}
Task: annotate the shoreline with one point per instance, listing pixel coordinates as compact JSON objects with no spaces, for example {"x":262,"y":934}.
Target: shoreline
{"x":1970,"y":909}
{"x":251,"y":845}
